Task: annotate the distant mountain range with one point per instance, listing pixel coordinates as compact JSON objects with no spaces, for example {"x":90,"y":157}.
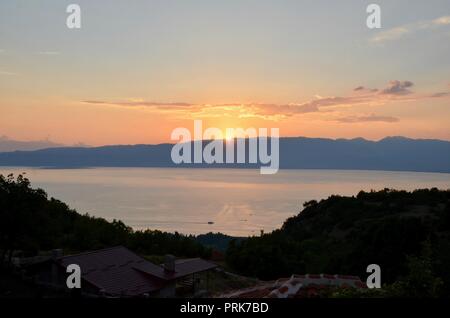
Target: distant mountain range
{"x":391,"y":153}
{"x":7,"y":144}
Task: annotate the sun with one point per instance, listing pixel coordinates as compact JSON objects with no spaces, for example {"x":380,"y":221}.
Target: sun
{"x":229,"y":135}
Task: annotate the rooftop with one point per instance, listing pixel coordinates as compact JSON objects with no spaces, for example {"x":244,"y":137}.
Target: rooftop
{"x":119,"y":271}
{"x":297,"y":286}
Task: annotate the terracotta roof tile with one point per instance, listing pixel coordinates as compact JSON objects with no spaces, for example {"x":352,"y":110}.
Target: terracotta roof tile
{"x":309,"y":285}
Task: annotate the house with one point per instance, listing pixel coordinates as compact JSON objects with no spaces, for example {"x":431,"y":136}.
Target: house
{"x":118,"y":272}
{"x":298,"y":286}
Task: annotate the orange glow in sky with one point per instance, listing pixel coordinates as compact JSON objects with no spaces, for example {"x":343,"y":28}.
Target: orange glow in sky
{"x":134,"y":73}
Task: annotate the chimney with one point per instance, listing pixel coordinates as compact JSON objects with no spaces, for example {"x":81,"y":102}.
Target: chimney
{"x":56,"y":253}
{"x":55,"y":275}
{"x":169,"y":263}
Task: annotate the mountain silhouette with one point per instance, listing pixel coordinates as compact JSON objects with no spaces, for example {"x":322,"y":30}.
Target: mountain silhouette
{"x":391,"y":154}
{"x":7,"y":144}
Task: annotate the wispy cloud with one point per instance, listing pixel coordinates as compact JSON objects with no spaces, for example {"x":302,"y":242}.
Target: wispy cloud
{"x":366,"y":118}
{"x":395,"y":90}
{"x":438,"y":22}
{"x":389,"y":35}
{"x":6,"y":73}
{"x":140,"y":103}
{"x":440,"y":94}
{"x":400,"y":31}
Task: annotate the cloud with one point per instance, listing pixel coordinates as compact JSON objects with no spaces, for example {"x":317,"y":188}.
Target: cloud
{"x":364,"y":89}
{"x":367,"y":118}
{"x":439,"y":94}
{"x":7,"y":73}
{"x":442,"y":20}
{"x":141,"y":103}
{"x":241,"y":110}
{"x":389,"y":35}
{"x":394,"y":87}
{"x":395,"y":90}
{"x":400,"y":31}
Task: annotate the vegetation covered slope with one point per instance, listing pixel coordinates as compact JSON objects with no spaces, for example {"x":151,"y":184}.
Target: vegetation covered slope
{"x":345,"y":234}
{"x":406,"y":233}
{"x":31,"y":222}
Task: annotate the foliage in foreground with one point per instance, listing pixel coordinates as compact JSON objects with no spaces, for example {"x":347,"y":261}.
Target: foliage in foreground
{"x":30,"y":222}
{"x":342,"y":235}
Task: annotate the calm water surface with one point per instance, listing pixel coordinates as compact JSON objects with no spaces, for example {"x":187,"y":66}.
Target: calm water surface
{"x":237,"y":201}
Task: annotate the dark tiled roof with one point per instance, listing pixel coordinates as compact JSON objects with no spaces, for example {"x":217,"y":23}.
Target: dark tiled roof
{"x":118,"y":271}
{"x":112,"y":270}
{"x":183,"y":267}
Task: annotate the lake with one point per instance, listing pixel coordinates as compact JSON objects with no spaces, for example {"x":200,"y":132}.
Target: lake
{"x":193,"y":201}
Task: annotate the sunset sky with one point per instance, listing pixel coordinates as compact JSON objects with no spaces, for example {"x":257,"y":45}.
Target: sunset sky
{"x":138,"y":69}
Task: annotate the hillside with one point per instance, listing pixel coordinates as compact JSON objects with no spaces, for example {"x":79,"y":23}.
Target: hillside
{"x":31,"y":222}
{"x":345,"y":234}
{"x":391,"y":154}
{"x":406,"y":233}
